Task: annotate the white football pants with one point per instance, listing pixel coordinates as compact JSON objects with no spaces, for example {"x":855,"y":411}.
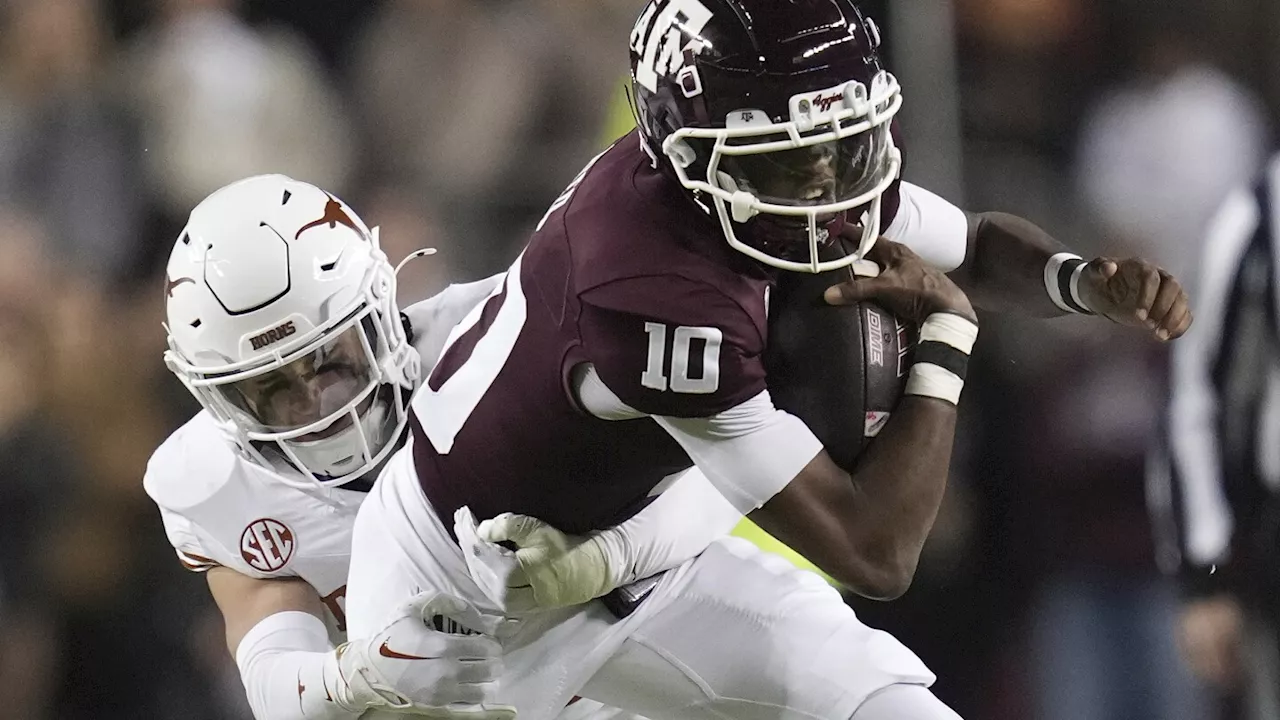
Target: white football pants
{"x":734,"y":634}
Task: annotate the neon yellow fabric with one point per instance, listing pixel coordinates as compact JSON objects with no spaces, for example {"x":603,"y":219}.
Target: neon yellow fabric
{"x":618,"y":121}
{"x":748,"y":530}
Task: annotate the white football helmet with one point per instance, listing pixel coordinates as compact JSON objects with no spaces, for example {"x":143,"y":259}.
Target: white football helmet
{"x":282,"y":321}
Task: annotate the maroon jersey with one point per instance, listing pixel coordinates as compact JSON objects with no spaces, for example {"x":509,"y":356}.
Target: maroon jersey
{"x":627,"y":274}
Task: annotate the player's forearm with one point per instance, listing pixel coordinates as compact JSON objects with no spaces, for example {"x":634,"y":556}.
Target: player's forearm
{"x":434,"y":318}
{"x":899,"y":483}
{"x":1004,"y":268}
{"x":865,"y":525}
{"x":899,"y":479}
{"x":674,"y":528}
{"x":290,"y":671}
{"x":866,"y":528}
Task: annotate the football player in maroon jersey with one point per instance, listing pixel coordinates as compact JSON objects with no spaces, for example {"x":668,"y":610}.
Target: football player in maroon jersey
{"x":625,"y":346}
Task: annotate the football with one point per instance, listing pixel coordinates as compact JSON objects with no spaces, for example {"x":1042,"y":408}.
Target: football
{"x":841,"y":370}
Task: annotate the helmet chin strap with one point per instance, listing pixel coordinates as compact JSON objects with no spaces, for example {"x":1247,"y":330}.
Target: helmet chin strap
{"x":742,"y":209}
{"x":764,"y":233}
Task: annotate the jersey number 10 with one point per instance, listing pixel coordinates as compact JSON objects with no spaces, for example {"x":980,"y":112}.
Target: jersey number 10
{"x":682,"y":347}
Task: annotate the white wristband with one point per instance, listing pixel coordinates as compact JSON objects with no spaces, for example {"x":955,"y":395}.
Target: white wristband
{"x":941,"y":357}
{"x":1062,"y":282}
{"x":929,"y":380}
{"x":951,"y":329}
{"x":1074,"y":287}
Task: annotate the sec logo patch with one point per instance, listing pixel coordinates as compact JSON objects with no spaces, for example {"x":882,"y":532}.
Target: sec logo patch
{"x":267,"y":545}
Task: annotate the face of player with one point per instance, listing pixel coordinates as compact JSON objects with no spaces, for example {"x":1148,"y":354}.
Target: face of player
{"x":819,"y":174}
{"x":307,"y":390}
{"x":810,"y":176}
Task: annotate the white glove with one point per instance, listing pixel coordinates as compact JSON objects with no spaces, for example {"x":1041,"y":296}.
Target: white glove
{"x":549,"y":570}
{"x":429,"y":660}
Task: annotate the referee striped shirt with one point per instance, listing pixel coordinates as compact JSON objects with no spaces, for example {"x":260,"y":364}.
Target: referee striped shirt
{"x":1214,"y":481}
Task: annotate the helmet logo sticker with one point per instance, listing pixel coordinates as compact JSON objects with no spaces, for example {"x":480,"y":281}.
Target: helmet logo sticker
{"x":824,"y":102}
{"x":272,"y":336}
{"x":333,"y":216}
{"x":267,"y":545}
{"x":658,"y":37}
{"x":169,"y":285}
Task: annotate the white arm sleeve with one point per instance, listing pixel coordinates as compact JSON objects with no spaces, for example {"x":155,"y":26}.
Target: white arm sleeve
{"x":434,"y":318}
{"x":675,"y":527}
{"x":289,"y":669}
{"x":933,"y":228}
{"x":748,"y":452}
{"x":744,"y":456}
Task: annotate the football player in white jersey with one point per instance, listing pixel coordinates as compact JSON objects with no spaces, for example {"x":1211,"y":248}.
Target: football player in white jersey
{"x":282,"y":322}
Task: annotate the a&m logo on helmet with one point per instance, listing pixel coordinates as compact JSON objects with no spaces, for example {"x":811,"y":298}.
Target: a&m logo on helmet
{"x":658,"y":40}
{"x":267,"y":545}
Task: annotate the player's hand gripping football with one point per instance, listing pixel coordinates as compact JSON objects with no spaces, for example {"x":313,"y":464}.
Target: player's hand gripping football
{"x":548,"y":569}
{"x":430,"y":659}
{"x":1135,"y":292}
{"x":906,"y":286}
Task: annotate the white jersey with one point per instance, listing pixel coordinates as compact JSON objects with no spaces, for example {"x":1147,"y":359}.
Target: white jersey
{"x":220,"y":509}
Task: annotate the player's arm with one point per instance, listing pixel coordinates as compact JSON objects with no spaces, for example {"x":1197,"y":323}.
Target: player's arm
{"x":866,"y":526}
{"x":431,"y":321}
{"x":692,"y":363}
{"x":275,"y":633}
{"x":677,"y":526}
{"x":1014,"y":265}
{"x":551,"y":569}
{"x":1009,"y":264}
{"x":291,"y":671}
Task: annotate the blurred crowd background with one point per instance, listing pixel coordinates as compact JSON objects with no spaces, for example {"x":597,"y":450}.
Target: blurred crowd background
{"x":1116,"y":124}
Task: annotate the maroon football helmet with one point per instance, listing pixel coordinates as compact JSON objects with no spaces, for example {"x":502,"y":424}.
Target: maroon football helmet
{"x":776,"y":111}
